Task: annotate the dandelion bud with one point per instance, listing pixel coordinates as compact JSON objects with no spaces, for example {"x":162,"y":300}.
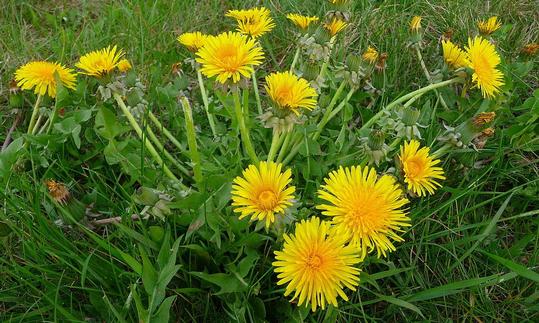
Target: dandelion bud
{"x":376,"y":139}
{"x":310,"y":71}
{"x":410,"y":116}
{"x":415,"y":24}
{"x":354,"y":62}
{"x":322,"y":35}
{"x":146,"y":196}
{"x":483,"y":118}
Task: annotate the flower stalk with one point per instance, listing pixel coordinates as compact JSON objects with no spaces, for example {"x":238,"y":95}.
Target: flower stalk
{"x":427,"y":75}
{"x":165,"y":131}
{"x":151,"y":149}
{"x":257,"y":93}
{"x":244,"y":131}
{"x":35,"y":110}
{"x":295,"y":60}
{"x":276,"y":143}
{"x":191,"y":140}
{"x":204,"y":94}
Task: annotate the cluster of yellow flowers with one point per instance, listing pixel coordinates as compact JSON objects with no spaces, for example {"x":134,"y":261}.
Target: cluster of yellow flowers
{"x":43,"y":76}
{"x":365,"y":210}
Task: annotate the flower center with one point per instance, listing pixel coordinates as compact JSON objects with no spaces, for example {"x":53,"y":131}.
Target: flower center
{"x":414,"y":168}
{"x":228,"y":55}
{"x":314,"y":261}
{"x":267,"y":200}
{"x":367,"y":214}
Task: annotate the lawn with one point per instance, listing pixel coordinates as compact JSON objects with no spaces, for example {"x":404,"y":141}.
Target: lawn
{"x":121,"y":204}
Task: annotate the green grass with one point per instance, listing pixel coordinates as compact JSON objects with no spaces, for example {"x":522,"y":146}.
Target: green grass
{"x":472,"y":251}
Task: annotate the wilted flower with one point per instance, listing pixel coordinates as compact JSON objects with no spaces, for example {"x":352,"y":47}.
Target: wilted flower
{"x":483,"y":118}
{"x":370,"y":55}
{"x":301,"y":21}
{"x":58,"y":191}
{"x":530,"y":49}
{"x":415,"y":24}
{"x":489,"y":26}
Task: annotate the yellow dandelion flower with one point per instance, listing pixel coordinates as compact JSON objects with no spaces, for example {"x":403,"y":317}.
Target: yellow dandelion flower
{"x":290,"y":92}
{"x":316,"y":265}
{"x":301,"y":21}
{"x":229,"y":55}
{"x":483,"y":60}
{"x":415,"y":24}
{"x":420,"y":170}
{"x":364,"y":208}
{"x":370,"y":55}
{"x":453,"y":55}
{"x":124,"y":65}
{"x":262,"y":192}
{"x":337,"y":2}
{"x":39,"y":75}
{"x":193,"y":41}
{"x":489,"y":26}
{"x":101,"y":62}
{"x":335,"y":26}
{"x":254,"y":22}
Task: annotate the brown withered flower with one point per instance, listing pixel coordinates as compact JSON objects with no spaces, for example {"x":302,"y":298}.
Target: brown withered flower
{"x":483,"y":118}
{"x":530,"y":49}
{"x":58,"y":191}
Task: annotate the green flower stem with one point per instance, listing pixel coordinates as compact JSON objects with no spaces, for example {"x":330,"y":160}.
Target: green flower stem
{"x":427,"y":75}
{"x":38,"y":124}
{"x":44,"y":126}
{"x":204,"y":94}
{"x":165,"y":131}
{"x":147,"y":143}
{"x":295,"y":60}
{"x":329,"y":109}
{"x":34,"y":115}
{"x":276,"y":143}
{"x":284,"y":146}
{"x":53,"y":117}
{"x":257,"y":94}
{"x":441,"y":151}
{"x":161,"y":149}
{"x":192,"y":140}
{"x":407,"y":97}
{"x":244,"y":131}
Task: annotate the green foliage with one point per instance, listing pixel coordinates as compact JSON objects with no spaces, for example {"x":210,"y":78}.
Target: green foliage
{"x":471,"y":254}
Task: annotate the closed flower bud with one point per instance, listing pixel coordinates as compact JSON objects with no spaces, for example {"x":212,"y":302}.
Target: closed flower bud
{"x":310,"y":71}
{"x":410,"y":116}
{"x":354,"y":62}
{"x":376,"y":139}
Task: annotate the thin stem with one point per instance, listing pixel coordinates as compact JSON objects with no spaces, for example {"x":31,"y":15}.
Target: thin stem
{"x":191,"y":140}
{"x":441,"y":151}
{"x":44,"y":126}
{"x":276,"y":141}
{"x":165,"y":131}
{"x":147,"y":143}
{"x":407,"y":97}
{"x":211,"y":120}
{"x":284,"y":146}
{"x":244,"y":131}
{"x":34,"y":115}
{"x":427,"y":75}
{"x":257,"y":94}
{"x":37,"y":124}
{"x":161,"y":149}
{"x":295,"y":60}
{"x":329,"y":109}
